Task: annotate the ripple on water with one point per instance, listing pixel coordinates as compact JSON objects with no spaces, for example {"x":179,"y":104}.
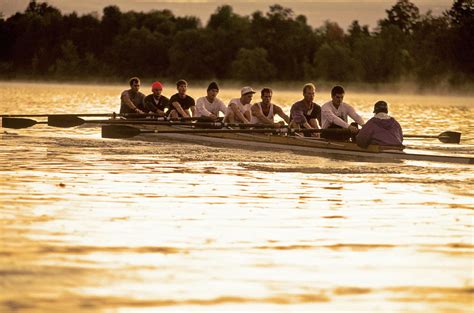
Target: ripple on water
{"x":110,"y":225}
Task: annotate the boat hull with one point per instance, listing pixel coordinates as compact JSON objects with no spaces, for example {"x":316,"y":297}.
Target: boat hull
{"x":307,"y":145}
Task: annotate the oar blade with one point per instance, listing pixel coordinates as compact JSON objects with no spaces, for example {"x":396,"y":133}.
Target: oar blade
{"x":119,"y":131}
{"x":17,"y":123}
{"x":65,"y":121}
{"x":450,"y":137}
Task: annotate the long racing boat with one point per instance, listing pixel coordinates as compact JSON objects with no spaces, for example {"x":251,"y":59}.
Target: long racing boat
{"x":276,"y":140}
{"x":245,"y":135}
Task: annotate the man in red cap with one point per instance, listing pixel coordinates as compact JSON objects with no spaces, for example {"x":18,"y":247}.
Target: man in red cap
{"x":156,"y":102}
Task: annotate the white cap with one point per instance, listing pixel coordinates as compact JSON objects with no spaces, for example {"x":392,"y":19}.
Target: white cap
{"x":246,"y":90}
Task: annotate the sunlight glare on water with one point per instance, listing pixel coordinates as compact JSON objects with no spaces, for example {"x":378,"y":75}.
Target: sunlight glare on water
{"x":98,"y":225}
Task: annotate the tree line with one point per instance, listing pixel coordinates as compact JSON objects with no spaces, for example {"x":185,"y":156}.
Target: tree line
{"x":276,"y":45}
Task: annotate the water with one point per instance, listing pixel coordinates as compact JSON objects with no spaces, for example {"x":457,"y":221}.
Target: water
{"x":95,"y":225}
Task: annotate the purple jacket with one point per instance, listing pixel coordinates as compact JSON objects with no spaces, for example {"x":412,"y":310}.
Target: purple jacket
{"x":381,"y":130}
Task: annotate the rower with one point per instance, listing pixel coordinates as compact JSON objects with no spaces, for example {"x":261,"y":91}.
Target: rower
{"x":156,"y":103}
{"x":264,"y":112}
{"x":334,"y":115}
{"x":305,"y":113}
{"x":131,"y":100}
{"x":181,"y":105}
{"x":210,"y":106}
{"x":238,"y":110}
{"x":380,"y":129}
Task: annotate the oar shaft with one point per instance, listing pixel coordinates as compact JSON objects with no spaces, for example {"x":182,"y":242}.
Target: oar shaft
{"x":212,"y":131}
{"x":46,"y":115}
{"x":72,"y":121}
{"x":161,"y":122}
{"x":127,"y":115}
{"x":420,"y":136}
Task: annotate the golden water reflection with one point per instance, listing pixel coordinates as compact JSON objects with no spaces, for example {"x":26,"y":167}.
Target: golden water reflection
{"x":96,"y":225}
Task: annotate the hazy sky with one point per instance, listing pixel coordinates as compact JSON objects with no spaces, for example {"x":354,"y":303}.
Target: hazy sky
{"x":317,"y":11}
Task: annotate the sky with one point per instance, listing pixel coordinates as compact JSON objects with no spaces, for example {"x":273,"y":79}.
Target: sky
{"x":367,"y":12}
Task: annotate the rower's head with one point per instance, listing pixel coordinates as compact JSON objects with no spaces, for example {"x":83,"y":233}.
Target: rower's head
{"x":212,"y":91}
{"x":308,"y":92}
{"x":182,"y":86}
{"x":156,"y":88}
{"x":337,"y":95}
{"x":266,"y":95}
{"x":380,"y":106}
{"x":246,"y":95}
{"x":134,"y":83}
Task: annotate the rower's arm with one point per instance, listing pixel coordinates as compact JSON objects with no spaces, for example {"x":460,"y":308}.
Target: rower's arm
{"x":356,"y":117}
{"x":333,"y":118}
{"x":313,"y":123}
{"x":239,"y":114}
{"x":150,"y":106}
{"x":201,"y":108}
{"x":179,"y":109}
{"x":126,"y":99}
{"x":248,"y":115}
{"x":193,"y":111}
{"x":222,"y":108}
{"x":259,"y":114}
{"x":282,"y":114}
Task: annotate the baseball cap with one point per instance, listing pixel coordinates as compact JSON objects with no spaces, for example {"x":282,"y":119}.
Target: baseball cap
{"x":246,"y":90}
{"x":156,"y":85}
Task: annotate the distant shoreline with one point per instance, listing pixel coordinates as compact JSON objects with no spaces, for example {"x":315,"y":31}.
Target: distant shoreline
{"x":405,"y":86}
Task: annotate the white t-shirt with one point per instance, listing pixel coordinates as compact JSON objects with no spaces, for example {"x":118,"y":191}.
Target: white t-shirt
{"x":331,"y":115}
{"x":242,"y":108}
{"x":206,"y":108}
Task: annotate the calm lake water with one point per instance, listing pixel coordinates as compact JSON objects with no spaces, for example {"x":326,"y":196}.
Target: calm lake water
{"x":97,"y":225}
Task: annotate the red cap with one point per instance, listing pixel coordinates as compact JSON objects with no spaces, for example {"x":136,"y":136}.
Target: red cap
{"x":156,"y":85}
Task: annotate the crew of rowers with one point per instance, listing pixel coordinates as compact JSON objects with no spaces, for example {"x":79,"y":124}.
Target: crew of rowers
{"x":304,"y":114}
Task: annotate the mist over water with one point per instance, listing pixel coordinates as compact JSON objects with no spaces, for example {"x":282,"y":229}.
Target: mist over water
{"x":96,"y":225}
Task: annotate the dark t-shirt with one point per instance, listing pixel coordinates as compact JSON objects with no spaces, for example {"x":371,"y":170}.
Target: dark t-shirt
{"x":152,"y":106}
{"x":299,"y":112}
{"x":136,"y":98}
{"x":185,"y":102}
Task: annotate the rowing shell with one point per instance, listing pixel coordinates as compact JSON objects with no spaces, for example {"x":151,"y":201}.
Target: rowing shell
{"x":307,"y":145}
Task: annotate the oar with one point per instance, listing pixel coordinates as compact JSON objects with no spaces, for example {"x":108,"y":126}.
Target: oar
{"x":445,"y":137}
{"x":123,"y":131}
{"x":54,"y":120}
{"x":67,"y":120}
{"x":18,"y":122}
{"x":46,"y":115}
{"x":126,"y":115}
{"x":83,"y":114}
{"x":60,"y":120}
{"x":72,"y":121}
